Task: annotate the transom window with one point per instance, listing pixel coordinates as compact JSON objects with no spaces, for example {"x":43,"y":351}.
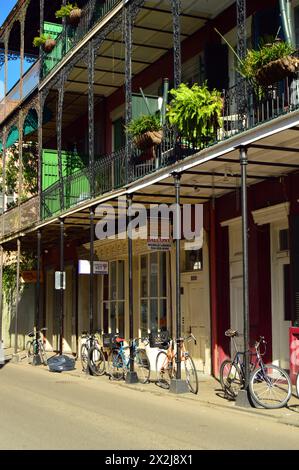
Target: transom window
{"x":153,"y":292}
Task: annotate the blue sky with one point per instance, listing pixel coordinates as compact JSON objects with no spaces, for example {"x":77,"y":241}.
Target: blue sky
{"x":5,"y":8}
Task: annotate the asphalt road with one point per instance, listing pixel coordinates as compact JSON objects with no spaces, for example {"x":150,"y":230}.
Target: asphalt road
{"x":42,"y":410}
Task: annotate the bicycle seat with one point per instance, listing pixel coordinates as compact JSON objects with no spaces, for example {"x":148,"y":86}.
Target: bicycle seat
{"x":231,"y":333}
{"x":119,"y":340}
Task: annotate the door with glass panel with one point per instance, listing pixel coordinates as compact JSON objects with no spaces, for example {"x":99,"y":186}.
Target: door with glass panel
{"x":114,"y":298}
{"x":153,"y":292}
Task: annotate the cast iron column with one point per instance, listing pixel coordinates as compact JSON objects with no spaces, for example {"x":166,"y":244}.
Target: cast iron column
{"x":91,"y":56}
{"x":131,"y":376}
{"x":178,"y":385}
{"x":177,"y":59}
{"x":241,"y":51}
{"x":61,"y":286}
{"x":91,"y":276}
{"x":128,"y":85}
{"x":36,"y":359}
{"x":243,"y":397}
{"x":2,"y":359}
{"x":15,"y":354}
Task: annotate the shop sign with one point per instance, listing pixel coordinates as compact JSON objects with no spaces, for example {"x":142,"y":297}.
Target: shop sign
{"x":159,"y":244}
{"x":99,"y":267}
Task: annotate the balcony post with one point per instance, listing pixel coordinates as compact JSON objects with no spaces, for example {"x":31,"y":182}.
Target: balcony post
{"x":177,"y":57}
{"x":6,"y":39}
{"x":36,"y":358}
{"x":178,"y":385}
{"x":41,"y":30}
{"x":15,"y":356}
{"x":4,"y":135}
{"x":40,"y":152}
{"x":241,"y":51}
{"x":128,"y":84}
{"x":61,"y":286}
{"x":91,"y":60}
{"x":22,"y":45}
{"x":20,"y":182}
{"x":131,"y":376}
{"x":61,"y":84}
{"x":2,"y":359}
{"x":91,"y":275}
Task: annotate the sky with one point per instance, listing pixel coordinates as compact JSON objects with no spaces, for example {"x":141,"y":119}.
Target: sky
{"x":5,"y":8}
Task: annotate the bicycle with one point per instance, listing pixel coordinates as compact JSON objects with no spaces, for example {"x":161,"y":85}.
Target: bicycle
{"x":269,"y":385}
{"x":119,"y":360}
{"x":36,"y":346}
{"x":166,"y":365}
{"x":92,"y":356}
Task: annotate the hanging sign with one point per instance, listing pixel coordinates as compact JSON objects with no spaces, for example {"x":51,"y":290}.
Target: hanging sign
{"x":159,"y":244}
{"x":58,"y":285}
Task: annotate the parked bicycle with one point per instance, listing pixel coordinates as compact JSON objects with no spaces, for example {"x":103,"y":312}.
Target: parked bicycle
{"x":119,"y":359}
{"x":35,"y":346}
{"x":92,"y":356}
{"x":269,"y":385}
{"x":166,"y":365}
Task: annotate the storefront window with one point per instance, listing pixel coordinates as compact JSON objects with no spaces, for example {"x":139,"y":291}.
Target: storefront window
{"x":114,"y":298}
{"x":153,"y":302}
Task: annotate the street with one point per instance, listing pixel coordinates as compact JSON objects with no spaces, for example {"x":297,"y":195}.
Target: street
{"x":43,"y":410}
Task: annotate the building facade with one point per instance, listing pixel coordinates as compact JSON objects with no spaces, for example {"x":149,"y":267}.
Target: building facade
{"x":63,"y":127}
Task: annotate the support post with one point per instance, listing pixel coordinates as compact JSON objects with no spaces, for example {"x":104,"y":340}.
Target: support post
{"x":61,"y":286}
{"x":91,"y":56}
{"x":177,"y":58}
{"x":2,"y":358}
{"x":15,"y":356}
{"x":128,"y":85}
{"x":131,"y":376}
{"x":91,"y":277}
{"x":241,"y":51}
{"x":178,"y":385}
{"x":36,"y":358}
{"x":243,"y":395}
{"x":59,"y":137}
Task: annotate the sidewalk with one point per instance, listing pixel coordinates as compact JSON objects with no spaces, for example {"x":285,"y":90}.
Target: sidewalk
{"x":209,"y":394}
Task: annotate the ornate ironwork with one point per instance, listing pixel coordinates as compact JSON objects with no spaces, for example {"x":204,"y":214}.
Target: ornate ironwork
{"x":61,"y":85}
{"x":241,"y":51}
{"x":91,"y":61}
{"x":177,"y":59}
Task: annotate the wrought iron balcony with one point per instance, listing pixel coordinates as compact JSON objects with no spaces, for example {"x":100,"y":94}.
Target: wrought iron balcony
{"x":20,"y":217}
{"x":91,"y":14}
{"x":20,"y":91}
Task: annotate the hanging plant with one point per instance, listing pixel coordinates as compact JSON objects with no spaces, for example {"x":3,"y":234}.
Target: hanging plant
{"x":196,"y":113}
{"x":146,"y":132}
{"x":44,"y":41}
{"x":71,"y":12}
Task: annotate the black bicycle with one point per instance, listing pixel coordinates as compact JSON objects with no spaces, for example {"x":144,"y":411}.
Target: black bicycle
{"x":92,"y":356}
{"x":269,"y":385}
{"x":35,"y":346}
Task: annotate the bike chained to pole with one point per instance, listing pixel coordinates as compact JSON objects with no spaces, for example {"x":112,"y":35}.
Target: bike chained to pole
{"x":108,"y":354}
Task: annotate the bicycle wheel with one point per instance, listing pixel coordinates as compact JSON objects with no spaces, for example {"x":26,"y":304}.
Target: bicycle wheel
{"x":270,"y":386}
{"x":116,"y":365}
{"x":84,"y":357}
{"x":142,"y":366}
{"x":96,"y":360}
{"x":297,"y":385}
{"x":165,"y":371}
{"x":29,"y":350}
{"x":230,"y":378}
{"x":190,"y":373}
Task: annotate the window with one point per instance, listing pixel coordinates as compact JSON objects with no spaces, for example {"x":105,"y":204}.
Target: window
{"x":193,"y":260}
{"x":153,"y":292}
{"x":114,"y":298}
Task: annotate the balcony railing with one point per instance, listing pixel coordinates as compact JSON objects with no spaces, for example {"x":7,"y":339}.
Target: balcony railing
{"x":20,"y":217}
{"x":17,"y":94}
{"x":67,"y":39}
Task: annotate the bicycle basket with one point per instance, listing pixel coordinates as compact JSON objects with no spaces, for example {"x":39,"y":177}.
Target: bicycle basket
{"x":159,"y":340}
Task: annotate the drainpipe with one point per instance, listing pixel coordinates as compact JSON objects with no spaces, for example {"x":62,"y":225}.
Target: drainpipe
{"x":286,"y":12}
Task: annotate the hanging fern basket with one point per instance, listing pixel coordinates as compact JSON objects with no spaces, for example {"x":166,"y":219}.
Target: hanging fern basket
{"x":74,"y":16}
{"x":277,"y":70}
{"x":148,"y":139}
{"x":49,"y":45}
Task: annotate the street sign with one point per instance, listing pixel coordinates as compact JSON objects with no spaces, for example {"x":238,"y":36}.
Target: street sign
{"x":58,"y":285}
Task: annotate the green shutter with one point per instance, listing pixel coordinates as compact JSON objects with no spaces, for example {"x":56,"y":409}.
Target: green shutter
{"x":139,"y":106}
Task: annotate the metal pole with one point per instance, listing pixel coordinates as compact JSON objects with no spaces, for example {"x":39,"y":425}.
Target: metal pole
{"x":131,"y":376}
{"x":2,"y":359}
{"x":15,"y":355}
{"x":61,"y":286}
{"x":91,"y":277}
{"x":243,"y":163}
{"x":178,"y":385}
{"x":37,"y":359}
{"x":128,"y":84}
{"x":177,"y":58}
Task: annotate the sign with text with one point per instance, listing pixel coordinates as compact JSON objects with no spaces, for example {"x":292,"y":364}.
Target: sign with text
{"x":99,"y":267}
{"x":159,"y":244}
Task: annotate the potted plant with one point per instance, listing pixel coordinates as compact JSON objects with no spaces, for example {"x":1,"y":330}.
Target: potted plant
{"x":146,"y":132}
{"x":195,"y":112}
{"x":270,"y":63}
{"x":44,"y":41}
{"x":71,"y":12}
